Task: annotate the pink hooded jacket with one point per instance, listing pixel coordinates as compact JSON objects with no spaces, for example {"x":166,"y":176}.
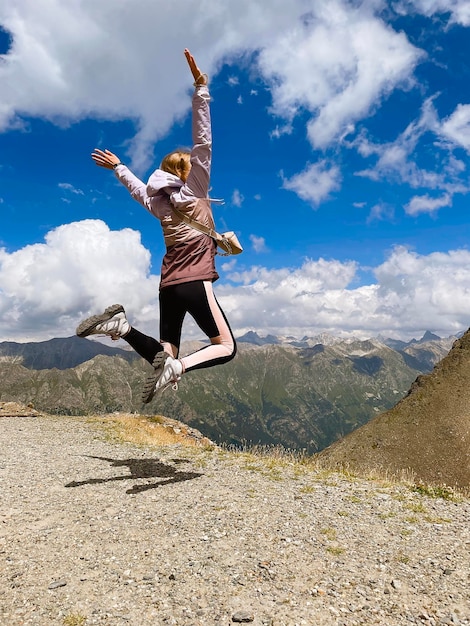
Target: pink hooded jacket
{"x":189,"y":254}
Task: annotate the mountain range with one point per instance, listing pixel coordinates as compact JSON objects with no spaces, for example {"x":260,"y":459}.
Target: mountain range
{"x":303,"y":393}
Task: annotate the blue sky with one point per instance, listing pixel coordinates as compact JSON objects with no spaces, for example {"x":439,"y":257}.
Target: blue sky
{"x":341,"y":148}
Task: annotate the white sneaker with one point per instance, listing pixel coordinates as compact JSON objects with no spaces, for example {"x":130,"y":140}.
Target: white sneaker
{"x":111,"y":322}
{"x":167,"y":371}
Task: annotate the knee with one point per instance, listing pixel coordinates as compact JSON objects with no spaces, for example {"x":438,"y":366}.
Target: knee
{"x":229,"y":346}
{"x":232,"y":349}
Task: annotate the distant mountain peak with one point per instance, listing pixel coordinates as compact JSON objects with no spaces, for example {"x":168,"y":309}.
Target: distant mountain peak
{"x":429,"y":336}
{"x":252,"y":337}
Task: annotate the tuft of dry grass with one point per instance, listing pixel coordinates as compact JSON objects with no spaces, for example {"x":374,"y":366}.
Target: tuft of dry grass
{"x":277,"y":457}
{"x":389,"y":478}
{"x":149,"y":430}
{"x":74,"y":619}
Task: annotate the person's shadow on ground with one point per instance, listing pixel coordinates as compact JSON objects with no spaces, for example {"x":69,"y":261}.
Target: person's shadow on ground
{"x":140,"y":468}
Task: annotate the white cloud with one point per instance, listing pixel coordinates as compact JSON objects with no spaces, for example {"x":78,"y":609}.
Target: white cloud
{"x":258,"y":243}
{"x":315,"y":183}
{"x":71,"y":188}
{"x":426,"y":204}
{"x":338,"y":64}
{"x":394,"y":157}
{"x":396,"y":160}
{"x":425,"y":291}
{"x":381,"y":211}
{"x":237,"y":198}
{"x":412,"y":293}
{"x":110,"y":63}
{"x":456,"y":127}
{"x":82,"y":267}
{"x":279,"y":131}
{"x":333,"y":58}
{"x":459,"y":10}
{"x":312,"y":277}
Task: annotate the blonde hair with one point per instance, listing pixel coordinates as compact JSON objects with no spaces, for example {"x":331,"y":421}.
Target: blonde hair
{"x":177,"y":163}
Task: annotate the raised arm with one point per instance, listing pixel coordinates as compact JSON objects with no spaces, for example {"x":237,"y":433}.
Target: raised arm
{"x":110,"y":161}
{"x":197,"y":183}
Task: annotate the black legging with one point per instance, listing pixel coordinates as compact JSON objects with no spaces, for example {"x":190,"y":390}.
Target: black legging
{"x":197,"y":299}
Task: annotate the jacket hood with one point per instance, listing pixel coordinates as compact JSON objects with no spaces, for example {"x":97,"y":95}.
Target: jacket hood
{"x":163,"y":181}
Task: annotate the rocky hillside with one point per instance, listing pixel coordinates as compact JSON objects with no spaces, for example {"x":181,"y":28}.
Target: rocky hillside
{"x":427,"y":432}
{"x":304,"y":396}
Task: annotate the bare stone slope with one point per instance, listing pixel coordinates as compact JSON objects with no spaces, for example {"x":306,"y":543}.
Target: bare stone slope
{"x":427,"y":432}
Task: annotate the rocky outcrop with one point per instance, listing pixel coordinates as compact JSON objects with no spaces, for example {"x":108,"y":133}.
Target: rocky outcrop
{"x":15,"y":409}
{"x":427,"y":433}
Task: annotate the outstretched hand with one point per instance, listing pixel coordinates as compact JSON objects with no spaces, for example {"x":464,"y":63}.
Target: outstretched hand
{"x":199,"y":77}
{"x":105,"y":158}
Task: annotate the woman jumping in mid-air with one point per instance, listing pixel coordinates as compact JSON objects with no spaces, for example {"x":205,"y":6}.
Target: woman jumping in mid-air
{"x":188,"y":267}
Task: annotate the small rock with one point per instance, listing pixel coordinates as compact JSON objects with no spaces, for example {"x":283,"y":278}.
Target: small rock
{"x":56,"y":584}
{"x":243,"y":617}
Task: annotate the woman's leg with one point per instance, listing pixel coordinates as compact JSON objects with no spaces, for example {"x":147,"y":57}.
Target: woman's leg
{"x":172,"y":313}
{"x":113,"y":323}
{"x":146,"y":346}
{"x":201,"y":303}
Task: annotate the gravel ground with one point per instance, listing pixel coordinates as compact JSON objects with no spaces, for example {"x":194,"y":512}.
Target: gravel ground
{"x":94,"y":531}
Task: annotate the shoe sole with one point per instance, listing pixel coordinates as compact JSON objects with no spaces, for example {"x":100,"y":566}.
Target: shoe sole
{"x":88,"y":326}
{"x":149,"y":386}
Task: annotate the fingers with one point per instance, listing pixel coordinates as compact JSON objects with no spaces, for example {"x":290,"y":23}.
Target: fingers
{"x":191,"y":62}
{"x":195,"y":71}
{"x":103,"y":154}
{"x":189,"y":57}
{"x":104,"y":158}
{"x":99,"y":156}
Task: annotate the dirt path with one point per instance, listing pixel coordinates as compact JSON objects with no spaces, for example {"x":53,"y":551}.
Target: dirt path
{"x":100,"y":532}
